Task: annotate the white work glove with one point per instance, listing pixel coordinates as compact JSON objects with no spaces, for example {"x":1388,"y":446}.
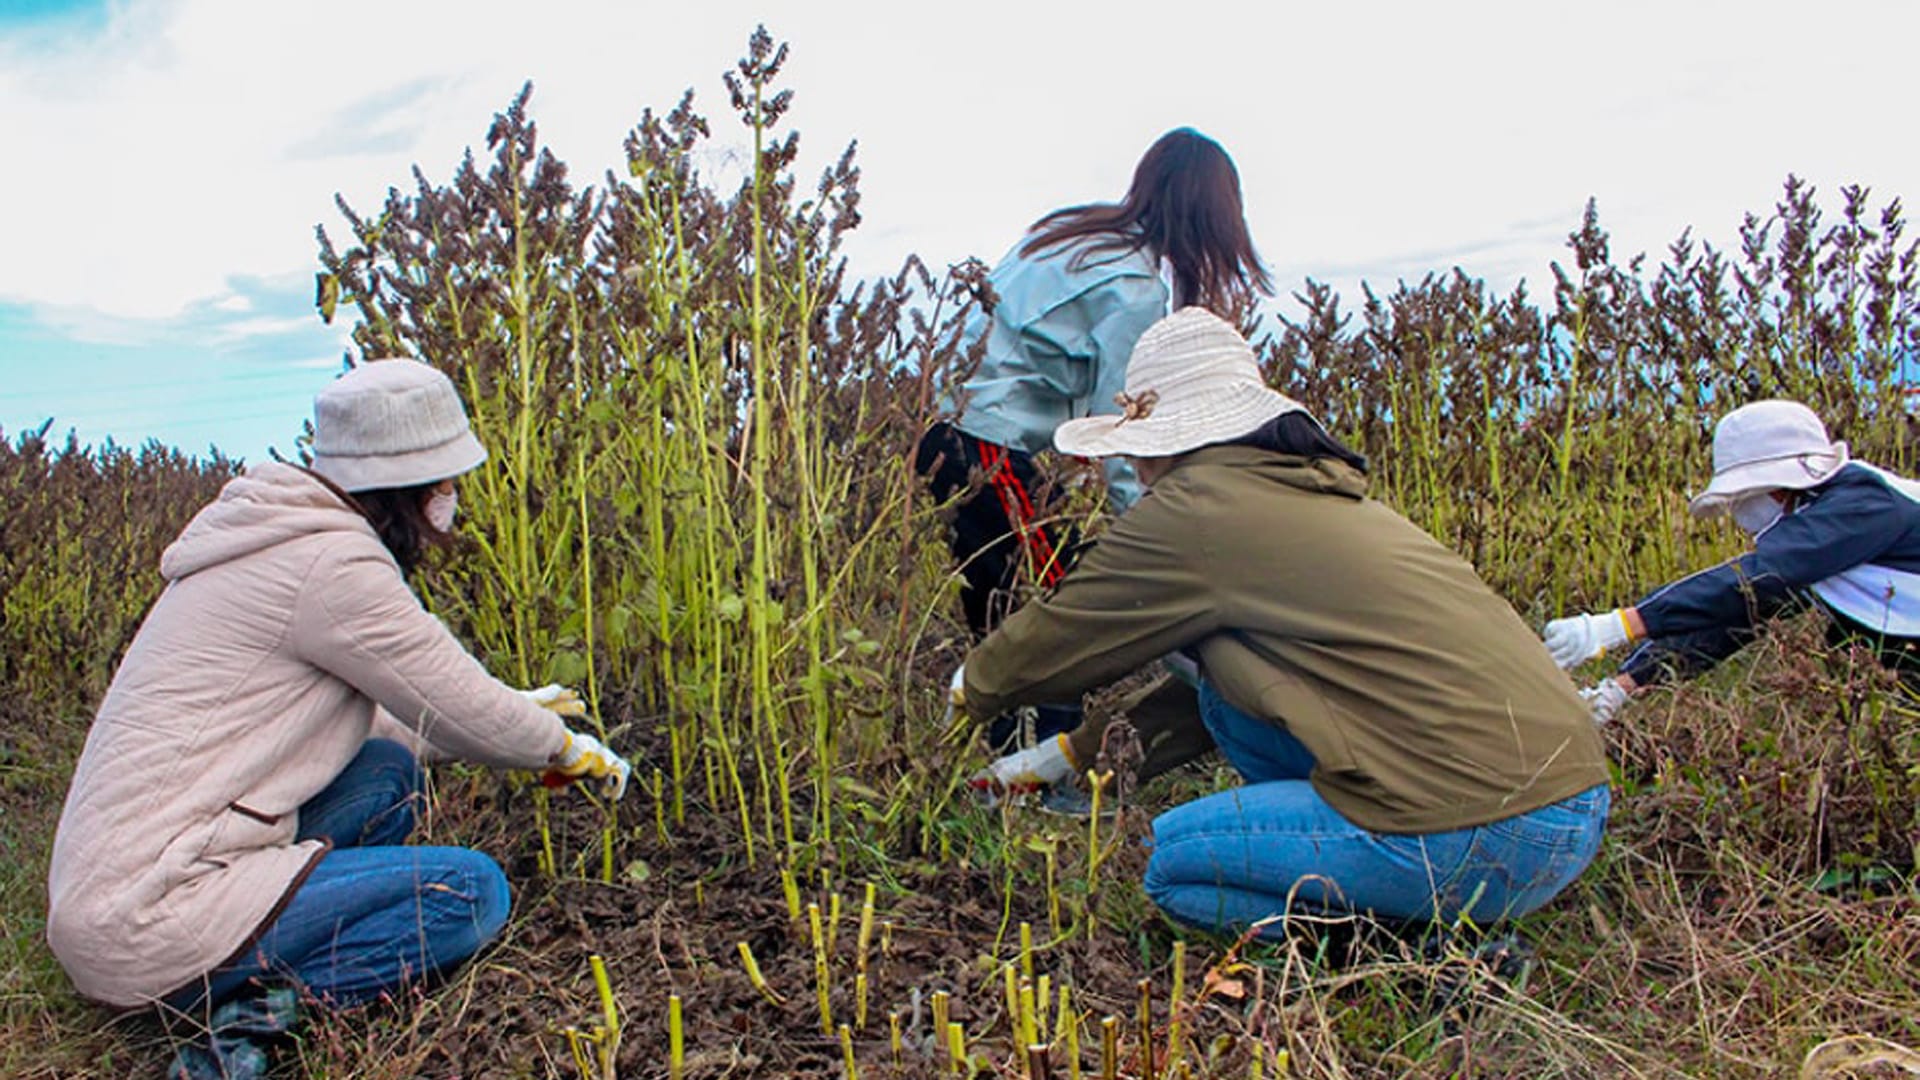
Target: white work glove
{"x":1579,"y":638}
{"x":560,"y":699}
{"x":956,"y":692}
{"x":587,"y":758}
{"x":1604,"y":698}
{"x":1038,"y":766}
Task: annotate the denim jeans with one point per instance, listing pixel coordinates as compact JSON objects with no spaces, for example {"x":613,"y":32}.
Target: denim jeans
{"x":1273,"y":846}
{"x":375,"y":912}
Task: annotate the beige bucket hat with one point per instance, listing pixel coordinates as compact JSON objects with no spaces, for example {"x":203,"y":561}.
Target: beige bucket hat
{"x":1191,"y":382}
{"x":391,"y":424}
{"x":1767,"y":446}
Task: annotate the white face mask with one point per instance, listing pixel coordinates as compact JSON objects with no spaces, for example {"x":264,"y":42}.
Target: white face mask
{"x":1755,"y":513}
{"x":440,"y":510}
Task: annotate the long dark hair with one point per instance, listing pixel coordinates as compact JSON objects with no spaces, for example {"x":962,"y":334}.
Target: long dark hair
{"x":1184,"y":204}
{"x":398,"y":516}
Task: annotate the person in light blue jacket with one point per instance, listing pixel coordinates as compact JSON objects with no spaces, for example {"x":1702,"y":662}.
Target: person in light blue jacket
{"x":1828,"y":532}
{"x":1062,"y":315}
{"x":1053,"y":333}
{"x":1057,"y":341}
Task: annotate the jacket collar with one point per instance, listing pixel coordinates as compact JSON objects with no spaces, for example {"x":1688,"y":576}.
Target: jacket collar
{"x":1323,"y":475}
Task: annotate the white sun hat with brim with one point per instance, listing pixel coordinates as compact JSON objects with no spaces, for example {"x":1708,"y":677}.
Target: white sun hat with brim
{"x":1768,"y":446}
{"x":391,"y":424}
{"x":1191,"y":382}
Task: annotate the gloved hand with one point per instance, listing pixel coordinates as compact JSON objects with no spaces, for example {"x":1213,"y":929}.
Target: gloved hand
{"x":1578,"y":638}
{"x":1045,"y":763}
{"x":561,"y":699}
{"x":956,"y":692}
{"x":585,"y":757}
{"x":1604,"y":698}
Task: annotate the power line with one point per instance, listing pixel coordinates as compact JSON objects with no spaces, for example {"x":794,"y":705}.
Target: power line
{"x":164,"y":424}
{"x":140,"y":433}
{"x":252,"y":376}
{"x":123,"y":411}
{"x":211,"y":421}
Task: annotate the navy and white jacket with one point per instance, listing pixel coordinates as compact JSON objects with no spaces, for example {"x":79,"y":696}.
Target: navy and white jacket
{"x":1852,"y":544}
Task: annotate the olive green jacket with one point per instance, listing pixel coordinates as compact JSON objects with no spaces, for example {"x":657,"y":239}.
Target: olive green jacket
{"x":1428,"y":704}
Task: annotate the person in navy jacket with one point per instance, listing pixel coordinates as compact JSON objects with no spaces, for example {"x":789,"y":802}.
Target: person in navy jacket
{"x":1828,"y":531}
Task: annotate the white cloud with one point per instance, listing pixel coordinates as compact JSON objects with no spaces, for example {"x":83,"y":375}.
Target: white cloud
{"x":191,"y":143}
{"x":91,"y":324}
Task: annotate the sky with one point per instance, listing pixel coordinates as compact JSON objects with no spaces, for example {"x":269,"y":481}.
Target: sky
{"x":168,"y":160}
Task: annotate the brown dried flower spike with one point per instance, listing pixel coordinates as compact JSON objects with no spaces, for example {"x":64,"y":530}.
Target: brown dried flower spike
{"x":1136,"y":406}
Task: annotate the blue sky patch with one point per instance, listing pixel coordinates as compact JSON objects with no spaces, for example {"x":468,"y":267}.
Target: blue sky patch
{"x":24,"y":11}
{"x":238,"y":374}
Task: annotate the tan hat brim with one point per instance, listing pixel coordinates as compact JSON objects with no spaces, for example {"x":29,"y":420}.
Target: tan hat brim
{"x":1796,"y":473}
{"x":1164,"y":433}
{"x":460,"y":454}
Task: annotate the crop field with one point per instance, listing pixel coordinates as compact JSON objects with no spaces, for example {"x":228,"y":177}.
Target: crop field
{"x":700,"y":510}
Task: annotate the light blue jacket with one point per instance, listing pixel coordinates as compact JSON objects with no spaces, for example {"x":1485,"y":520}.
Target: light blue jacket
{"x":1057,"y":347}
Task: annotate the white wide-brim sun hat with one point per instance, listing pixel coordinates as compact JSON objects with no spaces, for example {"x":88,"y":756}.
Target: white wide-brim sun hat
{"x":1767,"y":446}
{"x":394,"y":423}
{"x":1191,"y":382}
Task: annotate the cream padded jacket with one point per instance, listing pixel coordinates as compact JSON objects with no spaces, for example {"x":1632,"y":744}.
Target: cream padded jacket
{"x":284,"y":627}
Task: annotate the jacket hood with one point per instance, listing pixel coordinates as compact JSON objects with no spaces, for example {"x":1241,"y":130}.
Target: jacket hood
{"x":269,"y":504}
{"x":1321,"y":475}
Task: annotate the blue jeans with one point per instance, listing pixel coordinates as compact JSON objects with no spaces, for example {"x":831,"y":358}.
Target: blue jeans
{"x":374,"y":913}
{"x":1274,"y":846}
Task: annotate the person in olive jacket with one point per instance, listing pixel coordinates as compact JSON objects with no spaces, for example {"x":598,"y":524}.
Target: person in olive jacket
{"x":1408,"y":746}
